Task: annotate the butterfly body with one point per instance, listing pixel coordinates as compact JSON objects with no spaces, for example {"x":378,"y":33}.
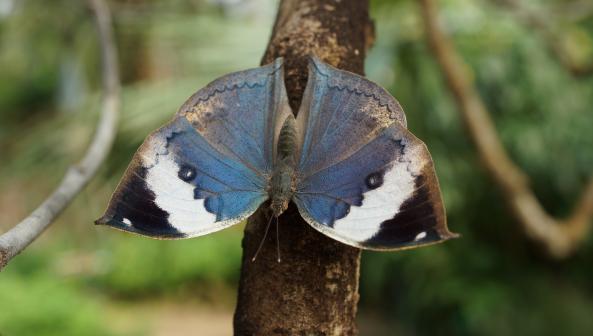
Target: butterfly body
{"x":347,"y":161}
{"x":282,"y":183}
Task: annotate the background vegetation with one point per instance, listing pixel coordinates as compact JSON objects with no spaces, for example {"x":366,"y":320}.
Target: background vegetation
{"x":82,"y":280}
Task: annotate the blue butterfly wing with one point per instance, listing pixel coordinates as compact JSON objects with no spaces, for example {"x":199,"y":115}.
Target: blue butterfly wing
{"x":241,"y":114}
{"x":209,"y":167}
{"x":363,"y":178}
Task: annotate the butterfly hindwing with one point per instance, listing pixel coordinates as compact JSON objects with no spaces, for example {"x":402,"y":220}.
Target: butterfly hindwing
{"x":363,"y":178}
{"x":209,"y":167}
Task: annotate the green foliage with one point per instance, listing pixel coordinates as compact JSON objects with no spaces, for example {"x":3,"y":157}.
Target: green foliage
{"x":43,"y":304}
{"x":141,"y":267}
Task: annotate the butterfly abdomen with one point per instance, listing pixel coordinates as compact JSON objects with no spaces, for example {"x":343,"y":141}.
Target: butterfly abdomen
{"x":282,"y":182}
{"x":287,"y":140}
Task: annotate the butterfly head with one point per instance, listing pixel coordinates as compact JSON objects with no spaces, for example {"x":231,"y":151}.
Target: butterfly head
{"x":278,"y":206}
{"x":282,"y":187}
{"x":281,"y":193}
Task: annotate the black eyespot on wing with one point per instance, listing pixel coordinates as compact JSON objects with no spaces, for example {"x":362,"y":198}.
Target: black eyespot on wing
{"x":187,"y":173}
{"x":374,"y":180}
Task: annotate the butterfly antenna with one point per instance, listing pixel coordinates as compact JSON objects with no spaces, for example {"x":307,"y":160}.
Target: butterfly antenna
{"x":263,"y":239}
{"x":278,"y":240}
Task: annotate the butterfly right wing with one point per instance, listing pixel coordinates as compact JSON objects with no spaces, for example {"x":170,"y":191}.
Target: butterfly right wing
{"x":363,"y":178}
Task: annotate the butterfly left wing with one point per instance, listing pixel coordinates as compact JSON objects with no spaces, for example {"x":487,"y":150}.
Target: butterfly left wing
{"x":363,"y":178}
{"x":209,"y":167}
{"x":180,"y":186}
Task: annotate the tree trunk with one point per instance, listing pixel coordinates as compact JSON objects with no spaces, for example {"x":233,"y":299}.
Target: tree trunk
{"x":314,"y":290}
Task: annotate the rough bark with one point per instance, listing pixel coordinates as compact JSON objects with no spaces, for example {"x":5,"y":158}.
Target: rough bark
{"x":314,"y":290}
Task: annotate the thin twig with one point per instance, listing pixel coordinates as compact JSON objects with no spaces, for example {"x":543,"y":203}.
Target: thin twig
{"x":559,"y":237}
{"x":18,"y":238}
{"x":554,"y":41}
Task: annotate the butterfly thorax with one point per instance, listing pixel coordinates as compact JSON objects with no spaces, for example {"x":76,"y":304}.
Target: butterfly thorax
{"x":281,"y":187}
{"x":282,"y":184}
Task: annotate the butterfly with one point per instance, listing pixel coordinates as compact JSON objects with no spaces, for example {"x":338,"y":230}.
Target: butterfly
{"x":347,"y":161}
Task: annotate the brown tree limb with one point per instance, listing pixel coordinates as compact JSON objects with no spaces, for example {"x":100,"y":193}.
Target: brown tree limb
{"x":314,"y":290}
{"x":554,"y":41}
{"x":559,"y":237}
{"x":18,"y":238}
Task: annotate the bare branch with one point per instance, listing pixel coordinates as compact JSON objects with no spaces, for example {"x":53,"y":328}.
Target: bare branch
{"x":559,"y":237}
{"x":18,"y":238}
{"x":554,"y":41}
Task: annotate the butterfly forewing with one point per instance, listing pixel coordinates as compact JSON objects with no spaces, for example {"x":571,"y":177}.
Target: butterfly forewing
{"x":340,"y":113}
